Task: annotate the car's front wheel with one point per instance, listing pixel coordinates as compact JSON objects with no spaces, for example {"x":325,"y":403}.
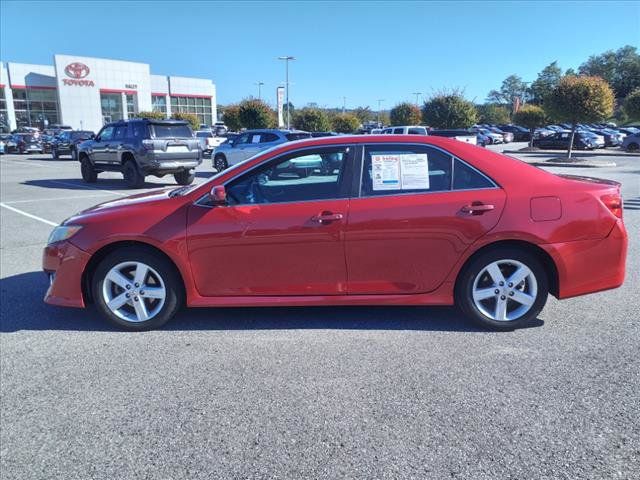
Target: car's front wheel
{"x":137,"y":289}
{"x":220,"y":163}
{"x":503,"y":289}
{"x":89,"y":173}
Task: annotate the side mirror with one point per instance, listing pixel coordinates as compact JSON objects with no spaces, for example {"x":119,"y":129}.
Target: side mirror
{"x":218,"y":195}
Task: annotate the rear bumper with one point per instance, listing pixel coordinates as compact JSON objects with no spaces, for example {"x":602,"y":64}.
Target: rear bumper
{"x":66,"y":263}
{"x":171,"y":161}
{"x":590,"y":265}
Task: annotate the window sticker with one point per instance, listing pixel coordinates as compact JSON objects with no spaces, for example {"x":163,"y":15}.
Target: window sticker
{"x":255,"y":139}
{"x":385,"y":172}
{"x":407,"y":171}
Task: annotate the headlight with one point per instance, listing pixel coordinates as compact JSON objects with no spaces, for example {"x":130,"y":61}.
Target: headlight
{"x":63,"y":232}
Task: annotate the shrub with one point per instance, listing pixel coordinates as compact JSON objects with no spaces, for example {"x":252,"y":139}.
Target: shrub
{"x":254,"y":113}
{"x":632,"y":105}
{"x":493,"y":114}
{"x":188,"y":117}
{"x":311,"y":120}
{"x":449,"y":110}
{"x":345,"y":123}
{"x":150,"y":115}
{"x":231,"y":117}
{"x":405,"y":114}
{"x":530,"y":116}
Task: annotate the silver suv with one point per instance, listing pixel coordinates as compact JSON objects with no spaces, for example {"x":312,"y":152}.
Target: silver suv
{"x":141,"y":147}
{"x":251,"y":142}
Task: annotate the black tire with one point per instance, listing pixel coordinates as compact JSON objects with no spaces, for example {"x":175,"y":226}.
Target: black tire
{"x":54,"y":154}
{"x":220,"y":162}
{"x":465,"y":283}
{"x":132,"y":175}
{"x":174,"y":296}
{"x":89,"y":173}
{"x":633,"y":147}
{"x":185,"y":177}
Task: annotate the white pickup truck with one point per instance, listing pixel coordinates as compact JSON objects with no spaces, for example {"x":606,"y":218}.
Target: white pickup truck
{"x":208,"y":141}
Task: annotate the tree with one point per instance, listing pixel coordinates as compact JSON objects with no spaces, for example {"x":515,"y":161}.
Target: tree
{"x":493,"y":114}
{"x":621,"y":69}
{"x":192,"y":119}
{"x":449,"y":110}
{"x":580,"y":99}
{"x":254,"y":113}
{"x":405,"y":114}
{"x":150,"y":115}
{"x":345,"y":123}
{"x":311,"y":120}
{"x":231,"y":117}
{"x":530,"y":116}
{"x":512,"y":87}
{"x":364,"y":114}
{"x":547,"y":80}
{"x":632,"y":104}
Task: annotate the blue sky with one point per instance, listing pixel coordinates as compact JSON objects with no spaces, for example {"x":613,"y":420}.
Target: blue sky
{"x":360,"y":50}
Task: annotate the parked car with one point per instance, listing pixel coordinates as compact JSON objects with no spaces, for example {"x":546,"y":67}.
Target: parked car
{"x":418,"y":220}
{"x":66,"y":143}
{"x":219,"y":128}
{"x":47,"y":141}
{"x":560,"y":140}
{"x":251,"y":142}
{"x":208,"y":141}
{"x":493,"y":138}
{"x":141,"y":147}
{"x":631,"y":143}
{"x":597,"y":139}
{"x":406,"y":130}
{"x":461,"y":135}
{"x":520,"y":134}
{"x":482,"y":140}
{"x":10,"y":145}
{"x":612,"y":138}
{"x":2,"y":147}
{"x":27,"y":143}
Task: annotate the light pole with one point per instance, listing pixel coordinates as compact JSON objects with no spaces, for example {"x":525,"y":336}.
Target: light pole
{"x":286,"y":61}
{"x":344,"y":104}
{"x":380,"y":100}
{"x":417,"y":94}
{"x":259,"y":84}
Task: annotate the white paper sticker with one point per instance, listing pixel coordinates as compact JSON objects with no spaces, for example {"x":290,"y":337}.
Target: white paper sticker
{"x":406,"y":171}
{"x":414,"y":170}
{"x":385,"y":172}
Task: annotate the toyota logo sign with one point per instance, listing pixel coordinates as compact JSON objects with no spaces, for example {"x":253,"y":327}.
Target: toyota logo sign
{"x":76,"y":70}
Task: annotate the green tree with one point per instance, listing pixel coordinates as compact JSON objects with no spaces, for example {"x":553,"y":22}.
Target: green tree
{"x":405,"y":113}
{"x":580,"y":99}
{"x":254,"y":113}
{"x":530,"y":116}
{"x":345,"y":123}
{"x":364,"y":114}
{"x":512,"y":87}
{"x":493,"y":114}
{"x":150,"y":115}
{"x":547,"y":80}
{"x":632,"y":104}
{"x":192,"y":119}
{"x":449,"y":110}
{"x":621,"y":69}
{"x":311,"y":120}
{"x":231,"y":117}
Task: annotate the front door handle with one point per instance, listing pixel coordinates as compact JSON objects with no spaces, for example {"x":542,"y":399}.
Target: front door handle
{"x":477,"y":208}
{"x":327,"y":217}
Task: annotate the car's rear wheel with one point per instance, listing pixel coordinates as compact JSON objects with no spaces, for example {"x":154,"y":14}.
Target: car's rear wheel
{"x":220,"y":163}
{"x":185,"y":177}
{"x":503,"y":289}
{"x":132,"y":175}
{"x":633,"y":147}
{"x":89,"y":173}
{"x":137,"y":289}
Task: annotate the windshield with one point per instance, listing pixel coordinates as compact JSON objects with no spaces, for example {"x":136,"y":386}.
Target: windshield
{"x":171,"y":130}
{"x":204,"y":134}
{"x":81,"y":135}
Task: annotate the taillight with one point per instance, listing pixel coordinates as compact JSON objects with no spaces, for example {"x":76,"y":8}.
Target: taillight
{"x":614,"y":203}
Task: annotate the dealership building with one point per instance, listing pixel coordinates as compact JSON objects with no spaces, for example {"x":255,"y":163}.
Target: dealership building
{"x":85,"y":93}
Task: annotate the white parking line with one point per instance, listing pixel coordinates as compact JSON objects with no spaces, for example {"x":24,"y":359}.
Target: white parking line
{"x":51,"y":199}
{"x":28,"y":215}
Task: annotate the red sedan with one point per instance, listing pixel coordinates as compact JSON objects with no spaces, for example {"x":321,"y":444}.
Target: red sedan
{"x":347,"y":220}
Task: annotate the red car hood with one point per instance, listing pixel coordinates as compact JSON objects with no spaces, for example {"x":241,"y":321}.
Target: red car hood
{"x":146,"y":197}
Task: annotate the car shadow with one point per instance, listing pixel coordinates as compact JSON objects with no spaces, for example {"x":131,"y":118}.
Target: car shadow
{"x":22,"y":308}
{"x":101,"y":184}
{"x":49,"y":158}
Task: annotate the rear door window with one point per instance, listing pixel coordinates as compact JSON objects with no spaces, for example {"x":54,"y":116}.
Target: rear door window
{"x":120,"y":132}
{"x":398,"y":131}
{"x":269,"y":137}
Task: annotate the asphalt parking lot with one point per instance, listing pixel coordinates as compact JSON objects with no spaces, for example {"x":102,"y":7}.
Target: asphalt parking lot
{"x":359,"y":392}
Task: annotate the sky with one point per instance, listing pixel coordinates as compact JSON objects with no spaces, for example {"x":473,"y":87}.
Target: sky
{"x":363,"y":51}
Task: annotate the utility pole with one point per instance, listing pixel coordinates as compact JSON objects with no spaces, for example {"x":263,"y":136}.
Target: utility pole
{"x":380,"y":100}
{"x":417,"y":94}
{"x":286,"y":59}
{"x":259,"y":84}
{"x":344,"y":104}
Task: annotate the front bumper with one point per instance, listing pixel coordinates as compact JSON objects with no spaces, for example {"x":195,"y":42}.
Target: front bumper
{"x":589,"y":266}
{"x":64,"y":263}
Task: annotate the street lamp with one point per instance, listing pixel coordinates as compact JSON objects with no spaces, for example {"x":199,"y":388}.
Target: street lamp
{"x":380,"y":100}
{"x":417,"y":94}
{"x":344,"y":104}
{"x":259,"y":84}
{"x":286,"y":61}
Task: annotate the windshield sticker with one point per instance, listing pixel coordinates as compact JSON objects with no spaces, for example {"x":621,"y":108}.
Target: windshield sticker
{"x":409,"y":171}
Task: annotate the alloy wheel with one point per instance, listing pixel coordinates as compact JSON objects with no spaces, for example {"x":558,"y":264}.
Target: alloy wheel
{"x":505,"y":290}
{"x":134,"y":291}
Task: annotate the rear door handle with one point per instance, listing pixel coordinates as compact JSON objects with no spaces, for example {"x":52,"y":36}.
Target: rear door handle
{"x":327,"y":217}
{"x":477,"y":208}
